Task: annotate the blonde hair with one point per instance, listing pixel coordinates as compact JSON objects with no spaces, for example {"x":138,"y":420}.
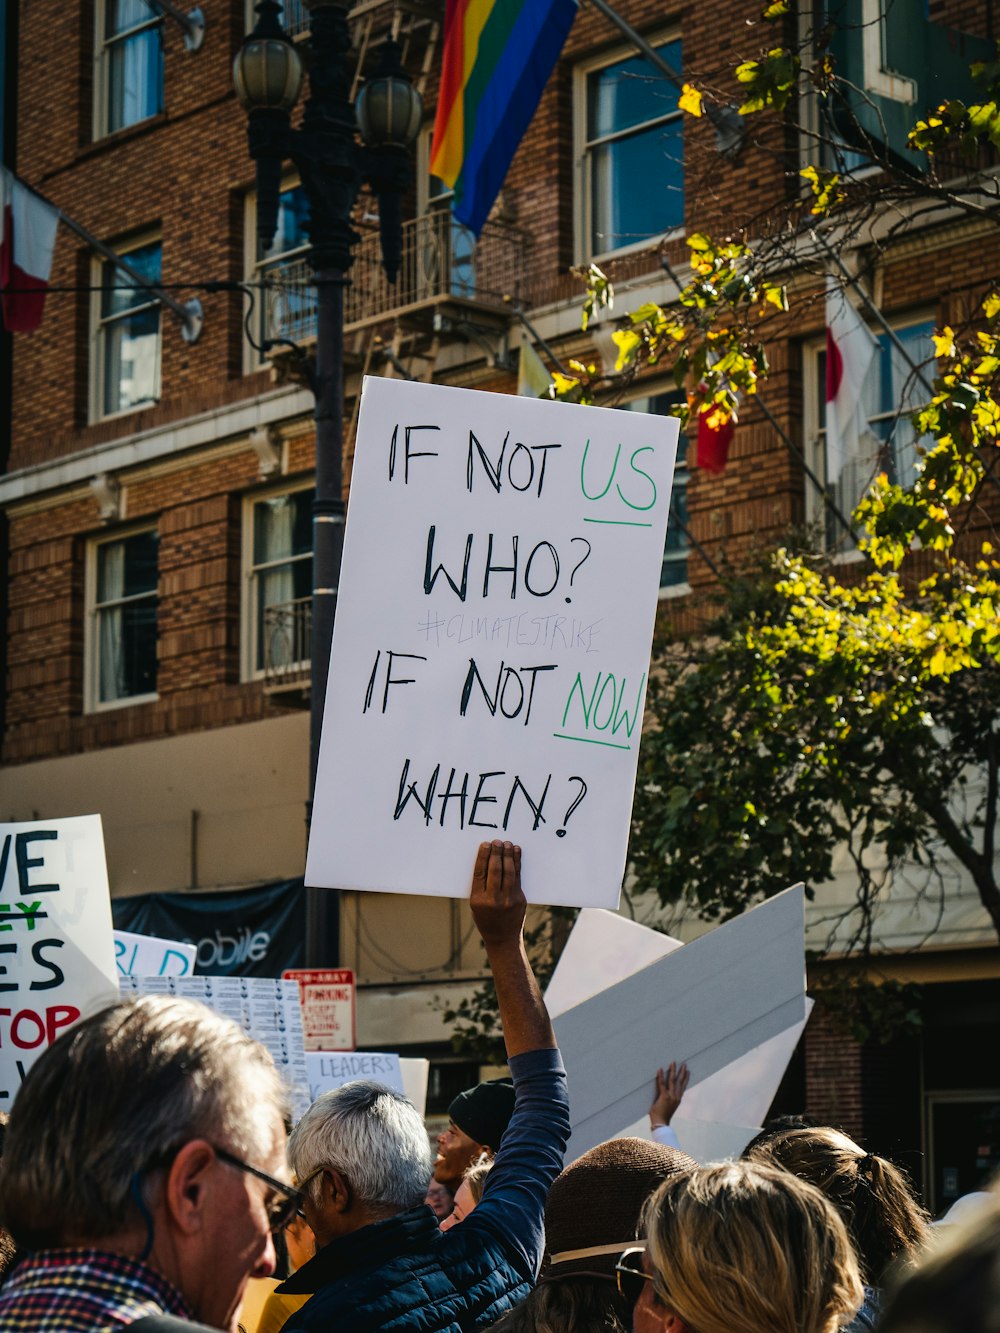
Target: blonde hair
{"x":743,"y":1245}
{"x":884,"y":1220}
{"x":475,"y":1176}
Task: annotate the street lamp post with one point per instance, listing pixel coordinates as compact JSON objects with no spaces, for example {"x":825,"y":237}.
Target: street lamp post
{"x":332,"y":165}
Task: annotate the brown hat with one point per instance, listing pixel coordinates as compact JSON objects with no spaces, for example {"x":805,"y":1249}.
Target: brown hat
{"x":596,"y":1202}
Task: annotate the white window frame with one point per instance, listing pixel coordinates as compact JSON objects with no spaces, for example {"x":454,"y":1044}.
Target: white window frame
{"x":249,"y":670}
{"x":98,"y":325}
{"x":879,"y":78}
{"x":252,"y":267}
{"x":91,"y":657}
{"x":645,"y":393}
{"x":103,"y":46}
{"x":813,"y":435}
{"x":582,"y":205}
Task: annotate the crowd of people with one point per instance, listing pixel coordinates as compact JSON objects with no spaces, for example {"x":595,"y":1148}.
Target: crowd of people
{"x":147,"y":1181}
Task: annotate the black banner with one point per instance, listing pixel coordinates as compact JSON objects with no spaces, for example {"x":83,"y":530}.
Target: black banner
{"x":240,"y":932}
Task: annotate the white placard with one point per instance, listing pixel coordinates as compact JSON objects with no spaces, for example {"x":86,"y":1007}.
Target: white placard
{"x":266,"y":1009}
{"x":604,"y":949}
{"x":57,"y":960}
{"x":149,"y":956}
{"x":708,"y":1003}
{"x":491,"y":648}
{"x":416,"y":1073}
{"x":332,"y":1069}
{"x":742,"y":1092}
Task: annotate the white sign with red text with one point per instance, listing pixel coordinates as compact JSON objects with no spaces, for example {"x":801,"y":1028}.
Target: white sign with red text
{"x":328,"y":997}
{"x":57,"y":957}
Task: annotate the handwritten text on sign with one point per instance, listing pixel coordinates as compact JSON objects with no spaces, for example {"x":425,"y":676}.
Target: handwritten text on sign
{"x":56,"y":953}
{"x":491,"y":648}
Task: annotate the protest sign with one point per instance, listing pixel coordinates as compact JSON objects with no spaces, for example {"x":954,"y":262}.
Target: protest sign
{"x":268,"y":1010}
{"x":56,"y":954}
{"x":491,"y":648}
{"x":416,"y":1073}
{"x":710,"y":1002}
{"x":328,"y":997}
{"x":147,"y":956}
{"x":603,"y":949}
{"x":332,"y":1069}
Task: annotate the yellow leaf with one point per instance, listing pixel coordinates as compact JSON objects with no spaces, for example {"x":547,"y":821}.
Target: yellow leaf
{"x":944,"y":342}
{"x":690,"y":100}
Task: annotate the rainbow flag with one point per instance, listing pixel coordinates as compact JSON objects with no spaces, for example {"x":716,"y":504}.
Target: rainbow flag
{"x":498,"y":55}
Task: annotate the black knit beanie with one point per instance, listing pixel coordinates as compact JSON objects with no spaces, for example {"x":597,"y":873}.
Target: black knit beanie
{"x":484,"y":1112}
{"x":596,"y":1203}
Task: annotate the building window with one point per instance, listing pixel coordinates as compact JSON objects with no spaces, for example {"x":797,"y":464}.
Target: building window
{"x":279,"y":582}
{"x":446,"y":248}
{"x":892,"y":392}
{"x":631,"y":153}
{"x":122,"y":598}
{"x":127,"y":335}
{"x":130,"y":64}
{"x":284,"y":295}
{"x":674,"y":570}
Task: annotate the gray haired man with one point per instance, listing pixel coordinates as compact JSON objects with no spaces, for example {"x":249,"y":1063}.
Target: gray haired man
{"x":362,"y":1158}
{"x":141,"y":1172}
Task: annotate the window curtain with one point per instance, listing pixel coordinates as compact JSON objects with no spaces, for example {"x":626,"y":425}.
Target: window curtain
{"x":276,"y":586}
{"x":110,"y":650}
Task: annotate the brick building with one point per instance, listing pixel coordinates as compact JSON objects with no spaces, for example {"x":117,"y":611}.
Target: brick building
{"x":157,"y":484}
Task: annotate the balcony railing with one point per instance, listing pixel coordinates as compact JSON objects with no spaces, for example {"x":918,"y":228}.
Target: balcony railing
{"x":441,"y":261}
{"x":287,"y":644}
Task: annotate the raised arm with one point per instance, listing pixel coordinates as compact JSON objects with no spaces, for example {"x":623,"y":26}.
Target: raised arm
{"x":532,"y":1148}
{"x":498,"y":908}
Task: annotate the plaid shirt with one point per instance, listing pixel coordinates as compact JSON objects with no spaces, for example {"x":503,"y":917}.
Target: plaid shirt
{"x":84,"y":1291}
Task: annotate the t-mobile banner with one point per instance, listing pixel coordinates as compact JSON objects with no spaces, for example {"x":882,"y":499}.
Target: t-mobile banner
{"x":242,"y":932}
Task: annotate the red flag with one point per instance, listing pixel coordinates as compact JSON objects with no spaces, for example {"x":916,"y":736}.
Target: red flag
{"x":27,"y":240}
{"x":714,"y":441}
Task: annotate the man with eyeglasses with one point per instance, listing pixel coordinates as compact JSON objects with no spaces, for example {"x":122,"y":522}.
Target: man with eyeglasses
{"x":142,"y":1173}
{"x":363,"y":1161}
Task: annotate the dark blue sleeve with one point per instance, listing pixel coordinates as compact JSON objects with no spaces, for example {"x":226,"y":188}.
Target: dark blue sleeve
{"x":530,"y":1157}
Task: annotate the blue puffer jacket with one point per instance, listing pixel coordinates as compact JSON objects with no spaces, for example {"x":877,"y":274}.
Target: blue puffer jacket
{"x":405,"y":1275}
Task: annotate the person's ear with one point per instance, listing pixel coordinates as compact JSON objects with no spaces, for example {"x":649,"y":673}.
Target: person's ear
{"x":673,"y":1323}
{"x":187,"y":1185}
{"x":337,"y":1193}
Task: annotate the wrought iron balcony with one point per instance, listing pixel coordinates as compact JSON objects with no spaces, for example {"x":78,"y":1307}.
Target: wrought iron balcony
{"x":287,"y":645}
{"x":442,"y":265}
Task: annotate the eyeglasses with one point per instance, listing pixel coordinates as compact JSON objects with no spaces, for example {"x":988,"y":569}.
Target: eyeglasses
{"x":630,"y":1275}
{"x":281,"y":1211}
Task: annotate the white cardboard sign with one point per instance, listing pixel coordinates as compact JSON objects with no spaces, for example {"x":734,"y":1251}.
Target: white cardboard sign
{"x":332,"y":1069}
{"x":150,"y":956}
{"x":57,"y":960}
{"x":491,"y":648}
{"x":604,"y":949}
{"x":709,"y":1003}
